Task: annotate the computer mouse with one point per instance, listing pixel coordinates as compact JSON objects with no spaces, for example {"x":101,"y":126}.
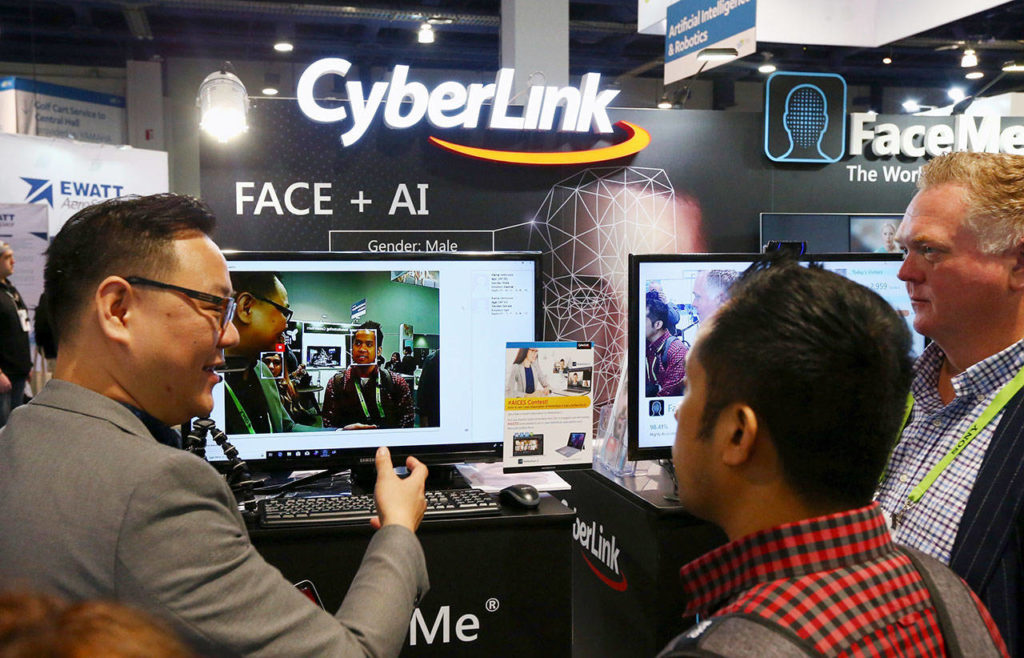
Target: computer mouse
{"x":520,"y":495}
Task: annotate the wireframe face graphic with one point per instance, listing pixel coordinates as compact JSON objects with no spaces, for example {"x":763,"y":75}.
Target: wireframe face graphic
{"x":806,"y":118}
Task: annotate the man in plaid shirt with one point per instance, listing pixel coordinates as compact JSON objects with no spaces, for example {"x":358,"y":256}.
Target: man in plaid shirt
{"x":963,"y":236}
{"x":795,"y":390}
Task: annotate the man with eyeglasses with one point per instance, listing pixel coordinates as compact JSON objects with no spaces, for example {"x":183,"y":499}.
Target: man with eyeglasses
{"x":96,"y":499}
{"x":252,"y":402}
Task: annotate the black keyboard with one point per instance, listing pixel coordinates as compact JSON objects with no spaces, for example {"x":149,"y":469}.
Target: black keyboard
{"x":277,"y":512}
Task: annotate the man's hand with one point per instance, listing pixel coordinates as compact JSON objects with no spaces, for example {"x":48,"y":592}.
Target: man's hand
{"x":359,"y":426}
{"x":5,"y":384}
{"x":399,"y":502}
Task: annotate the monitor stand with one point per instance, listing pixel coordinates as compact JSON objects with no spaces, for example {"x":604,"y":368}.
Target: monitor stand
{"x":439,"y":476}
{"x":362,"y":479}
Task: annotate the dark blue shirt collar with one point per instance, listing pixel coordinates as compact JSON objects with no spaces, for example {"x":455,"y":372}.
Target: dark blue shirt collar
{"x":161,"y":432}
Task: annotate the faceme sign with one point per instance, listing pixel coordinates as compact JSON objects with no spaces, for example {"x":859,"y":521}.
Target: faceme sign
{"x":454,"y":105}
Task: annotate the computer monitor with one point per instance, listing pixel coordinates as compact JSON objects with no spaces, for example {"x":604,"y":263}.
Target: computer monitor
{"x":471,"y":304}
{"x":691,"y":284}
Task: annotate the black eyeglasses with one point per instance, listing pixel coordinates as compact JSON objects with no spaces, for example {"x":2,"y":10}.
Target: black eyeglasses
{"x":226,"y":305}
{"x":285,"y":311}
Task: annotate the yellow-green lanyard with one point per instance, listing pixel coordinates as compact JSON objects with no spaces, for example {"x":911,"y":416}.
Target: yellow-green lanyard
{"x":362,"y":400}
{"x":1001,"y":399}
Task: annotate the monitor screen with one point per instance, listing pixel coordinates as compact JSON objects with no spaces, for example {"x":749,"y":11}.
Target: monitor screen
{"x":690,"y":287}
{"x":832,"y":232}
{"x":309,"y":387}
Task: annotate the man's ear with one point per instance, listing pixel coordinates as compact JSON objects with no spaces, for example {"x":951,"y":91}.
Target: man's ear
{"x":116,"y":307}
{"x":737,"y":425}
{"x":243,"y":308}
{"x":1017,"y":271}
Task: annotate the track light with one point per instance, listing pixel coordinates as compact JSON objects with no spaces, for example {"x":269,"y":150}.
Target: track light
{"x":426,"y":33}
{"x":1013,"y":66}
{"x":223,"y":104}
{"x":969,"y":60}
{"x":974,"y":75}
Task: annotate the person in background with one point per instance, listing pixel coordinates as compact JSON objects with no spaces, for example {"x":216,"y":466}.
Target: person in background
{"x":394,"y":364}
{"x":666,"y":352}
{"x":782,"y":448}
{"x":409,"y":362}
{"x":963,"y":236}
{"x":711,"y":290}
{"x":15,"y":353}
{"x":364,"y":396}
{"x":428,"y":394}
{"x":142,"y":304}
{"x":523,"y":378}
{"x":38,"y":625}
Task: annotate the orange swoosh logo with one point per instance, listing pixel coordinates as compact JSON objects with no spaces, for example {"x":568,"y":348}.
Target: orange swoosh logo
{"x":637,"y":139}
{"x":614,"y":584}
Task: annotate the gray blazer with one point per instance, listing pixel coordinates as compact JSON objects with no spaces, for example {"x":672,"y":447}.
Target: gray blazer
{"x":92,"y":506}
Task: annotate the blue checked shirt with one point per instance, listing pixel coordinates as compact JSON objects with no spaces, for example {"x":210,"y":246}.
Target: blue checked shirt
{"x":932,"y":429}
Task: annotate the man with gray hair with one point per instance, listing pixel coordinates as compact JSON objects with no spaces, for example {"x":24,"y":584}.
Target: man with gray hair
{"x":952,"y":487}
{"x":711,"y":290}
{"x":15,"y":355}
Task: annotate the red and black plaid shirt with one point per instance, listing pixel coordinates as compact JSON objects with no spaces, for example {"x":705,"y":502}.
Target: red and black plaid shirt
{"x":836,"y":580}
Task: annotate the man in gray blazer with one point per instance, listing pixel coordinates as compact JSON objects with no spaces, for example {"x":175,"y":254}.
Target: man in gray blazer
{"x":96,"y":499}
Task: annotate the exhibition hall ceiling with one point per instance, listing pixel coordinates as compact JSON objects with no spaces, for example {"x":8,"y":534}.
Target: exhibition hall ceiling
{"x":602,"y":38}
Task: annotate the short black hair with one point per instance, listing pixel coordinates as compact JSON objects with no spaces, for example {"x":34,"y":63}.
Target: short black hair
{"x":261,"y":284}
{"x":657,"y":310}
{"x":126,"y":236}
{"x":370,"y":324}
{"x":407,"y":349}
{"x":824,"y":363}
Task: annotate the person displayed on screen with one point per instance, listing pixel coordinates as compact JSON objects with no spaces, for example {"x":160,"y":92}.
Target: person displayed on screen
{"x":889,"y":245}
{"x":277,"y":364}
{"x":523,"y":379}
{"x":252,"y":401}
{"x":782,"y":449}
{"x":394,"y":364}
{"x":963,"y":236}
{"x":559,"y":366}
{"x":711,"y":290}
{"x":141,"y":302}
{"x":15,"y":353}
{"x":409,"y":361}
{"x":575,"y":379}
{"x":364,"y":396}
{"x":666,"y":352}
{"x":428,"y":393}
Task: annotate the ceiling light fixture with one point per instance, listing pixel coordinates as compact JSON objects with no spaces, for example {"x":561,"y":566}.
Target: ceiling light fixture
{"x":887,"y":60}
{"x":426,"y":33}
{"x":1013,"y":66}
{"x":974,"y":75}
{"x":665,"y":103}
{"x":284,"y":46}
{"x":223,"y":104}
{"x":956,"y":94}
{"x":717,"y":54}
{"x":911,"y":106}
{"x":767,"y":68}
{"x":969,"y":60}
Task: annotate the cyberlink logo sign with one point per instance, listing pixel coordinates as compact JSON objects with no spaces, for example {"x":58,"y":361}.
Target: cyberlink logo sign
{"x":804,"y":117}
{"x":600,"y":553}
{"x":454,"y":105}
